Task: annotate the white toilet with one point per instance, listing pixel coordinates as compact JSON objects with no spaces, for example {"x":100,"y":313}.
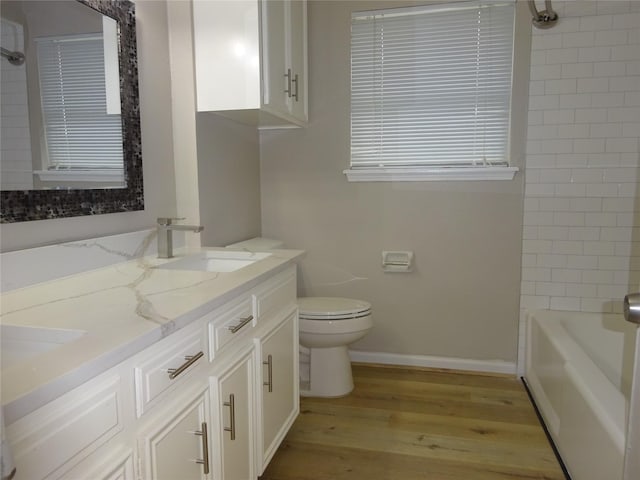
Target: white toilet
{"x":327,"y":326}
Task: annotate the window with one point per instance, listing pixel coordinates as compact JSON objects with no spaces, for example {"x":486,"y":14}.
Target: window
{"x":431,"y":92}
{"x":74,"y":108}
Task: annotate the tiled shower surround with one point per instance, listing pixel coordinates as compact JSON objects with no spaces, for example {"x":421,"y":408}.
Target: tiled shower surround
{"x":581,"y":250}
{"x":15,"y":138}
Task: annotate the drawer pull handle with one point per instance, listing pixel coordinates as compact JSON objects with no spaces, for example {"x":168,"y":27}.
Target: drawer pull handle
{"x":205,"y":448}
{"x":190,"y":360}
{"x":232,"y":416}
{"x":243,"y":322}
{"x":269,"y":364}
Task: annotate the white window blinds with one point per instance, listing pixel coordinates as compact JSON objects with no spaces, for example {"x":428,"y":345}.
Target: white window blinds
{"x":431,"y":86}
{"x":79,"y":133}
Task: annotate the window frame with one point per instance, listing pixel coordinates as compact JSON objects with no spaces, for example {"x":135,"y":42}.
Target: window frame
{"x":514,"y":149}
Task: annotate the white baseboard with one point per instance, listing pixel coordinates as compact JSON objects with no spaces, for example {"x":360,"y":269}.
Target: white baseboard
{"x":451,"y":363}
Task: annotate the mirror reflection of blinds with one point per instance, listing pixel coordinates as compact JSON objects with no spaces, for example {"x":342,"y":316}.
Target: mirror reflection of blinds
{"x":79,"y":133}
{"x":431,"y":86}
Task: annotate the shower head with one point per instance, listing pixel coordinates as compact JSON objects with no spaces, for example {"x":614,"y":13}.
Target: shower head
{"x":15,"y":58}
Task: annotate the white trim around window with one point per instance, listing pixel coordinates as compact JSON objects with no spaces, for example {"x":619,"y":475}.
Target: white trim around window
{"x":424,"y":174}
{"x":89,"y":175}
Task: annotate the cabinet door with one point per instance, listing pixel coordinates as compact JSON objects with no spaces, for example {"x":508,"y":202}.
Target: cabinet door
{"x":278,"y":396}
{"x":277,"y":74}
{"x":226,"y":54}
{"x":232,"y":400}
{"x":65,"y":431}
{"x":297,"y":43}
{"x":177,"y":444}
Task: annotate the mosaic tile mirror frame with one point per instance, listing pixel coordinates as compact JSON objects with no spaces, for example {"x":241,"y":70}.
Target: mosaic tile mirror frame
{"x":27,"y":205}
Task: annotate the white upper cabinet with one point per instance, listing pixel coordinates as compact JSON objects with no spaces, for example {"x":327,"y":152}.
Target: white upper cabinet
{"x":297,"y":28}
{"x":251,"y":60}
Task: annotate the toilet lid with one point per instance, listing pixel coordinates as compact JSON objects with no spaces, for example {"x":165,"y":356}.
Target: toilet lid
{"x":332,"y":308}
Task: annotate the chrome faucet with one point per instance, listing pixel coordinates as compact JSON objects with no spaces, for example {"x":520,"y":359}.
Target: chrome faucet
{"x":165,"y":237}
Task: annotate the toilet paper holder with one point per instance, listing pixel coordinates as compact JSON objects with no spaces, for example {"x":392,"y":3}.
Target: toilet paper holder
{"x":397,"y":261}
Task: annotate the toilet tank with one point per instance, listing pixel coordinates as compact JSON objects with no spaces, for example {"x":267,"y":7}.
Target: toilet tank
{"x":257,"y":244}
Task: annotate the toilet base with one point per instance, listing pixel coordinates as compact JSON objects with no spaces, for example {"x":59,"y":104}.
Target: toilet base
{"x":330,"y":374}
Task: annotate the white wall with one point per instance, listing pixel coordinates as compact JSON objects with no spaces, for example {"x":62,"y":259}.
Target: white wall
{"x":462,"y":299}
{"x":229,"y":180}
{"x":183,"y":111}
{"x":217,"y":166}
{"x":157,"y":147}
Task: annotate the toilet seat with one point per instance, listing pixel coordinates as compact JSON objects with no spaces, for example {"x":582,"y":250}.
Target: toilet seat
{"x":332,"y":308}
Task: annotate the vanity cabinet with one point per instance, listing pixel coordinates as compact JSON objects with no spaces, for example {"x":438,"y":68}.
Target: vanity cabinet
{"x":277,"y":387}
{"x":251,"y":60}
{"x":175,"y":445}
{"x":212,"y":400}
{"x":232,"y":437}
{"x":56,"y":437}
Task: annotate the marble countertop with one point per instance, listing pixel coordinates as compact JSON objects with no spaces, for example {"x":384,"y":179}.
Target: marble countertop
{"x":124,"y":308}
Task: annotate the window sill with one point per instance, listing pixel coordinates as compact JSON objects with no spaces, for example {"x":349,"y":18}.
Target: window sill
{"x":425,"y":174}
{"x":100,"y":176}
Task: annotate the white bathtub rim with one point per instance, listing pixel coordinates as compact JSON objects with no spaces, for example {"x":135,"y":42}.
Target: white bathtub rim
{"x":585,"y":372}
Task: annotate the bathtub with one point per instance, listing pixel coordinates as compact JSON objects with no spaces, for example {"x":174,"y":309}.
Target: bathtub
{"x":579,"y":368}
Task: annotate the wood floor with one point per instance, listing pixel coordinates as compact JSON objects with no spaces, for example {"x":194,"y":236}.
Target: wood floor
{"x":406,"y":424}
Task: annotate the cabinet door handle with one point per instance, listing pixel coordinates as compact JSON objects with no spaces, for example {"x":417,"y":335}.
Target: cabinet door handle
{"x":288,"y":77}
{"x":190,"y":360}
{"x":205,"y":448}
{"x":295,"y":80}
{"x":232,"y":416}
{"x":269,"y":364}
{"x":243,"y":322}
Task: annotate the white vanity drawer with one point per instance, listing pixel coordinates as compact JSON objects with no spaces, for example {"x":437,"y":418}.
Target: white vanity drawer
{"x":59,"y":435}
{"x":167,"y":365}
{"x":276,"y":294}
{"x":231,"y":321}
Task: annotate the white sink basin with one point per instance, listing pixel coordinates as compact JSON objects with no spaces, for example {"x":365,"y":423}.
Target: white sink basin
{"x":19,"y":343}
{"x":215,"y":261}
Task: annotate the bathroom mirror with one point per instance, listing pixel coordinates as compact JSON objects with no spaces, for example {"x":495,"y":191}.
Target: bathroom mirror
{"x":107,"y":174}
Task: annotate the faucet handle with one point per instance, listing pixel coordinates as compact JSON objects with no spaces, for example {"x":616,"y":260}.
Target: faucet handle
{"x":168,"y":220}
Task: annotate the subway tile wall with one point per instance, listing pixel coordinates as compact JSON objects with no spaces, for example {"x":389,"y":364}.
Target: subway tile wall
{"x":581,"y":232}
{"x":15,"y":139}
{"x":580,"y":249}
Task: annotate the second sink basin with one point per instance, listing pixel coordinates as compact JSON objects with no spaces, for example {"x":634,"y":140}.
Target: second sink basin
{"x":215,"y":261}
{"x":20,"y":343}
